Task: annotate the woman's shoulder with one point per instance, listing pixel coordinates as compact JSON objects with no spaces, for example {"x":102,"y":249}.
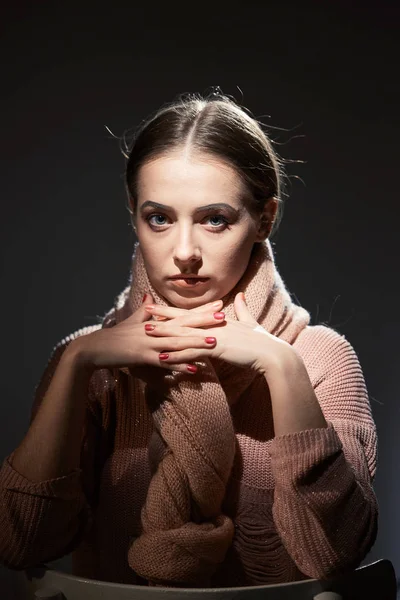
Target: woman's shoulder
{"x":59,"y":349}
{"x":315,"y":338}
{"x":62,"y":344}
{"x":339,"y":384}
{"x":326,"y":352}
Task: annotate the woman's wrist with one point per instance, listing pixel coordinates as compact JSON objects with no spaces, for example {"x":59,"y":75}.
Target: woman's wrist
{"x":295,"y":406}
{"x":78,"y":357}
{"x":282,"y":360}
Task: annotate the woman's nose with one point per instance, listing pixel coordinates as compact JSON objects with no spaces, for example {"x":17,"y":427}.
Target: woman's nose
{"x":186,"y":248}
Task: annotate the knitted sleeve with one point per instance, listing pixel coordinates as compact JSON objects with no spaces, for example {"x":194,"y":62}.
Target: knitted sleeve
{"x":324,"y":505}
{"x":42,"y":521}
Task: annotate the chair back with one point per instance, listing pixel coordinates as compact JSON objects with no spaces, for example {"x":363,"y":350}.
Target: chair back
{"x":370,"y":582}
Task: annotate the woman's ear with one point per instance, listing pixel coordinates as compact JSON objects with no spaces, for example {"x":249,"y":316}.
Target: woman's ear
{"x":266,"y":219}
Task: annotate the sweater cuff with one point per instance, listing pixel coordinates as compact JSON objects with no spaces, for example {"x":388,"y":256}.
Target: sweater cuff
{"x":65,"y":487}
{"x":295,"y":454}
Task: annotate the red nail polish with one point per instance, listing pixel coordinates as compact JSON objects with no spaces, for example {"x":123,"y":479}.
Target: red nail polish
{"x":219,"y":316}
{"x":144,"y":298}
{"x":149,"y":327}
{"x":210,"y":340}
{"x":192,"y":368}
{"x":163,"y":356}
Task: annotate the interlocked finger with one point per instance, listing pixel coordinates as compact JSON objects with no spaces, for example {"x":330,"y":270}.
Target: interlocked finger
{"x":188,"y":319}
{"x":170,"y":344}
{"x":189,"y":355}
{"x":171,"y":312}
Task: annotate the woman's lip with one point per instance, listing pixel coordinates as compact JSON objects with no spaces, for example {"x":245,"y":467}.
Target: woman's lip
{"x":183,"y":276}
{"x":189,"y":281}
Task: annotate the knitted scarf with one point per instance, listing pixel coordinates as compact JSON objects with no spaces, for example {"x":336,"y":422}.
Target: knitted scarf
{"x":185,"y":536}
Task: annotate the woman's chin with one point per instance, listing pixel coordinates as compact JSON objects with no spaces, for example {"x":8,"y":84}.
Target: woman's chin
{"x":189,"y":301}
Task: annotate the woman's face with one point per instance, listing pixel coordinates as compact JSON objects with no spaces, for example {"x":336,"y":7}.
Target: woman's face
{"x":194,"y":229}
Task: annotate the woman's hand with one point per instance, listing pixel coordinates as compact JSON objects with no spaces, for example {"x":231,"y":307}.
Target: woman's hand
{"x":236,"y":342}
{"x":128,"y":345}
{"x":244,"y":343}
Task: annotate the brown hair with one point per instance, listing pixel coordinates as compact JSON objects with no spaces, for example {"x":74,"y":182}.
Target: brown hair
{"x":217,"y":125}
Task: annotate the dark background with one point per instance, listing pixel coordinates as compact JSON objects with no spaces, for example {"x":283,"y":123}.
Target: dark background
{"x":324,"y":72}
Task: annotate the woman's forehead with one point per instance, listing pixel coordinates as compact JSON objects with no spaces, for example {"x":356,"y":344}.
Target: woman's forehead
{"x":198,"y":176}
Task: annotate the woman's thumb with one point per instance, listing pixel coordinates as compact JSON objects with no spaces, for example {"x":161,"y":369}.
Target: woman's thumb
{"x":242,"y":312}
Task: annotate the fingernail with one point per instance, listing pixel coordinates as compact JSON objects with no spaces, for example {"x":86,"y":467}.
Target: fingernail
{"x":219,"y":316}
{"x":163,"y":356}
{"x":144,"y":298}
{"x":192,"y":368}
{"x":149,"y":327}
{"x":216,"y":303}
{"x":243,"y":297}
{"x":150,"y":307}
{"x":210,"y":340}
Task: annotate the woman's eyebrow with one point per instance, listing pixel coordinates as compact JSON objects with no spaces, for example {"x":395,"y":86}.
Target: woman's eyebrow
{"x":218,"y":206}
{"x":156,"y":205}
{"x":214,"y":206}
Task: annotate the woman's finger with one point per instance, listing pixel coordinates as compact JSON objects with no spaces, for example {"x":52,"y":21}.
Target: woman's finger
{"x":216,"y":305}
{"x":169,"y":344}
{"x":201,"y":319}
{"x":171,"y":312}
{"x":187,"y":356}
{"x":189,"y":368}
{"x":242,"y":312}
{"x":149,"y":372}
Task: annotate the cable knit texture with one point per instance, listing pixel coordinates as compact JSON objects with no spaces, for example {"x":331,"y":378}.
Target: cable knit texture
{"x":182,"y":481}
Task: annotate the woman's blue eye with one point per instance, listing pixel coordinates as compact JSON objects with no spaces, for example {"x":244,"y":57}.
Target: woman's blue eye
{"x":157,"y":220}
{"x":217,"y":220}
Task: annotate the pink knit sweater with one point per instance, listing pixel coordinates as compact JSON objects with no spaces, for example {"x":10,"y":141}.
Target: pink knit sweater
{"x":302,"y":504}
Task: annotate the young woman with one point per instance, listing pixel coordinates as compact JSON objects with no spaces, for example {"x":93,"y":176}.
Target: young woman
{"x":204,"y":434}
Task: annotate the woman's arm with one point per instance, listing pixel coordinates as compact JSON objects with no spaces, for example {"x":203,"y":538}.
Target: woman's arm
{"x":295,"y":406}
{"x":43,"y":509}
{"x":325,"y":509}
{"x":51,"y":448}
